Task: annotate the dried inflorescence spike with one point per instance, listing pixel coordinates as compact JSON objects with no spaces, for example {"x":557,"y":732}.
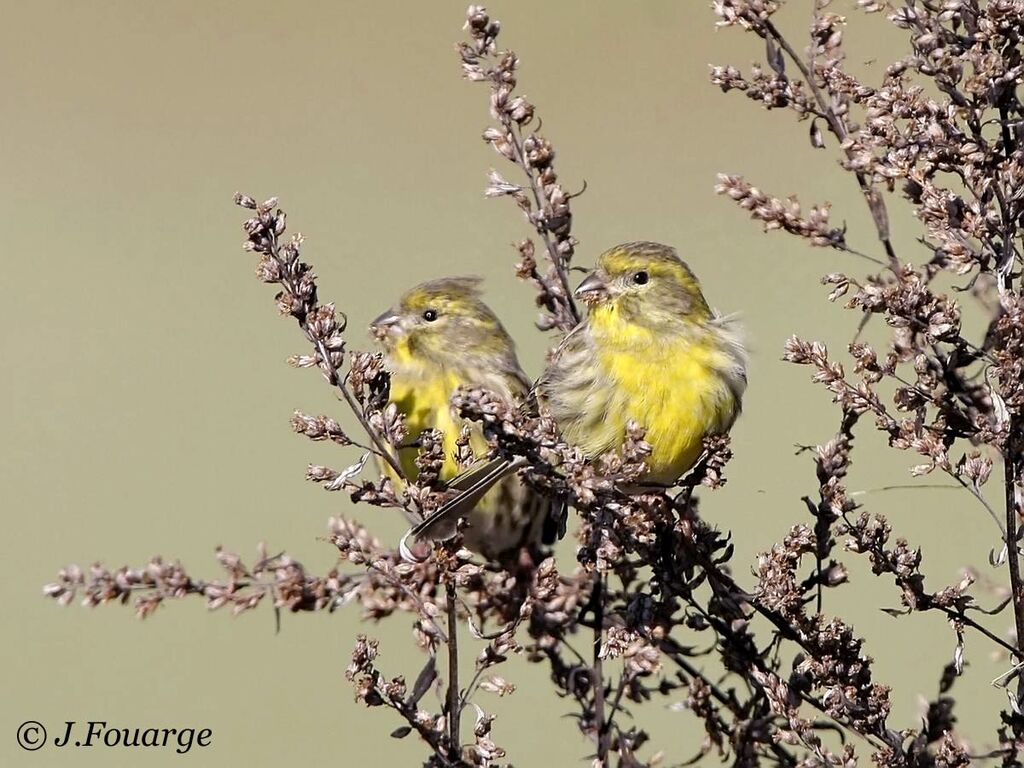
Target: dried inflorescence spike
{"x":543,"y":200}
{"x":976,"y":468}
{"x":324,"y":326}
{"x":787,"y":215}
{"x":319,"y":428}
{"x":363,"y":656}
{"x":750,"y":14}
{"x":772,"y":90}
{"x":430,"y":457}
{"x":279,"y":580}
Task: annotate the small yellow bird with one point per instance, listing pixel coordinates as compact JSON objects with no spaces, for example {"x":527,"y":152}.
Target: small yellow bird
{"x":442,"y":336}
{"x":651,"y":351}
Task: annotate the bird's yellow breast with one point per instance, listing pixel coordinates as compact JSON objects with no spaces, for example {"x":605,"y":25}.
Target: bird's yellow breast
{"x":670,"y":384}
{"x":426,"y":403}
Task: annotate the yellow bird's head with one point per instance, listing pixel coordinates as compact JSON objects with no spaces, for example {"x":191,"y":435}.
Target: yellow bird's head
{"x":646,"y":284}
{"x":443,"y":322}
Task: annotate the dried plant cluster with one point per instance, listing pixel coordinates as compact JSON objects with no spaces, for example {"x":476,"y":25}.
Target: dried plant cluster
{"x":650,"y":610}
{"x":941,"y":130}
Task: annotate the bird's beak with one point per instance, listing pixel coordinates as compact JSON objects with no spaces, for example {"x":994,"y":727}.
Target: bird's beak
{"x":593,"y":288}
{"x":384,"y":322}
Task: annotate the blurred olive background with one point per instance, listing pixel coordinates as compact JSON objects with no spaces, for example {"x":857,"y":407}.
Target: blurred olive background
{"x":146,"y":395}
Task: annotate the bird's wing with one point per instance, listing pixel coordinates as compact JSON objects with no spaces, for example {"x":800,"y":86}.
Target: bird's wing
{"x":474,"y":483}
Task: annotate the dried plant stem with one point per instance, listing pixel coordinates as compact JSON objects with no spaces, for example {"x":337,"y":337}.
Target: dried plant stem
{"x":720,"y":580}
{"x":331,"y":372}
{"x":542,"y":203}
{"x":1009,"y":220}
{"x":786,"y":631}
{"x":382,"y":448}
{"x":969,"y":622}
{"x":413,"y":597}
{"x":1011,"y":468}
{"x":603,"y":728}
{"x":988,"y":507}
{"x":454,"y":701}
{"x":549,"y":211}
{"x":875,"y":203}
{"x":620,"y":689}
{"x":470,"y":689}
{"x":678,"y":655}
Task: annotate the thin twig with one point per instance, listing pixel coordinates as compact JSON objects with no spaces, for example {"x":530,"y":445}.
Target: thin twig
{"x":876,"y":205}
{"x":597,"y":683}
{"x":1011,"y":469}
{"x":969,"y":622}
{"x":454,"y":703}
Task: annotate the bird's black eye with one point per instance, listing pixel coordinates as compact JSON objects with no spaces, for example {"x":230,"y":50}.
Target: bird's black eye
{"x":430,"y":315}
{"x":641,"y":278}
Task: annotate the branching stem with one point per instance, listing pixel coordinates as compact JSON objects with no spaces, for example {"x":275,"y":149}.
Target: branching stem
{"x":876,"y":205}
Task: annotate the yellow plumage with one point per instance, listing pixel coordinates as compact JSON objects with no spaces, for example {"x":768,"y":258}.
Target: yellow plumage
{"x":669,"y":386}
